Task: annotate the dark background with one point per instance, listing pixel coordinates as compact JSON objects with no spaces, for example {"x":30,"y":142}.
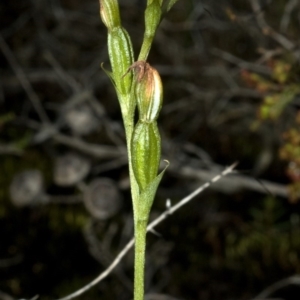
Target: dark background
{"x":231,"y":93}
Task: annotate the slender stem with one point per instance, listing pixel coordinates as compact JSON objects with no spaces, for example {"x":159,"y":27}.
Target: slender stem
{"x":146,"y":46}
{"x":128,"y":119}
{"x":140,"y":230}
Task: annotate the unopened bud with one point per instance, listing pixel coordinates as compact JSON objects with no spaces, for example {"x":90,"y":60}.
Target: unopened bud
{"x":148,"y":91}
{"x":121,"y":57}
{"x":152,"y":17}
{"x":109,"y":12}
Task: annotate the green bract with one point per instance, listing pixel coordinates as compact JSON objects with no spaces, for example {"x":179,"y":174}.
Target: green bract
{"x":145,"y":152}
{"x":121,"y":58}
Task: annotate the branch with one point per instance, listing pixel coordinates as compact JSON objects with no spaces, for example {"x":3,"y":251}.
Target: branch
{"x":234,"y":183}
{"x":288,"y":10}
{"x":284,"y":283}
{"x":33,"y":97}
{"x":268,"y":30}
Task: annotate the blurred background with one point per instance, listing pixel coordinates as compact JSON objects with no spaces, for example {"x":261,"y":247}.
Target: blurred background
{"x":231,"y":83}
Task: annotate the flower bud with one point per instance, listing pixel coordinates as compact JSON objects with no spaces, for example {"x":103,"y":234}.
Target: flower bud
{"x":148,"y":91}
{"x":153,"y":14}
{"x":145,"y":153}
{"x":152,"y":17}
{"x":121,"y":57}
{"x":109,"y":12}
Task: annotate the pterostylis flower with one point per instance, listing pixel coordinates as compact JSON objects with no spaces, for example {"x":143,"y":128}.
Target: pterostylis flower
{"x":148,"y":91}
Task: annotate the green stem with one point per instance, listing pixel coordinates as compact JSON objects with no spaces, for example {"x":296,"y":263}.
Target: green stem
{"x":128,"y":119}
{"x":146,"y":46}
{"x":140,"y":230}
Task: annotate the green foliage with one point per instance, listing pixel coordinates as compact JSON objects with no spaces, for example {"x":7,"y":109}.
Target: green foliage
{"x":278,"y":92}
{"x":290,"y":152}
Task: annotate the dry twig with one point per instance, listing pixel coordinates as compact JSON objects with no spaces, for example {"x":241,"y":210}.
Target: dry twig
{"x":24,"y":81}
{"x":267,"y":293}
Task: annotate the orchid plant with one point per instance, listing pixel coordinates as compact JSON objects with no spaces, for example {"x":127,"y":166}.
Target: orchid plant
{"x":139,"y":88}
